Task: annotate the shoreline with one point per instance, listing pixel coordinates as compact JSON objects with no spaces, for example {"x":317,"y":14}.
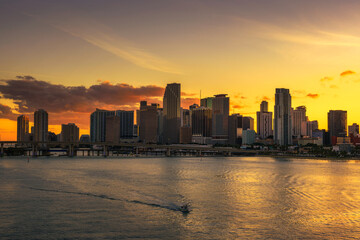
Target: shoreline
{"x":200,"y":157}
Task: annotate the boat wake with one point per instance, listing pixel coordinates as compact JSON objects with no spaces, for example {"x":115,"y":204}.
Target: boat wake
{"x":168,"y":206}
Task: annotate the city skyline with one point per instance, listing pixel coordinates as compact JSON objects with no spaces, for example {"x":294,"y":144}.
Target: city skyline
{"x":75,"y":58}
{"x":158,"y":104}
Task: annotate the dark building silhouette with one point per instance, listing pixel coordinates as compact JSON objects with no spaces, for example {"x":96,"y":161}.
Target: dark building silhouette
{"x":171,"y":112}
{"x":201,"y":123}
{"x":69,"y":133}
{"x":126,"y":123}
{"x":264,"y":121}
{"x":23,"y":128}
{"x":337,"y":124}
{"x":112,"y":129}
{"x":40,"y":126}
{"x":148,"y":127}
{"x":235,"y":129}
{"x":98,"y":124}
{"x":282,"y":117}
{"x":220,"y":118}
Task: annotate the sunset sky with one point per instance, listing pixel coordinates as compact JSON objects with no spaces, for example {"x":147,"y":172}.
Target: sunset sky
{"x":69,"y":57}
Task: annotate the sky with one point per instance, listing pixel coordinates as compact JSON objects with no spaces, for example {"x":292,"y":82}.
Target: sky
{"x":71,"y":57}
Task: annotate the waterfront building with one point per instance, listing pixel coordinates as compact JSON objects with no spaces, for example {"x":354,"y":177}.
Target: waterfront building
{"x":126,"y":123}
{"x":337,"y":124}
{"x":299,"y":119}
{"x":23,"y":128}
{"x":185,"y":118}
{"x":98,"y":124}
{"x":171,"y":112}
{"x":185,"y":134}
{"x":264,"y":121}
{"x":247,"y":123}
{"x":85,"y":138}
{"x":40,"y":126}
{"x":201,"y":122}
{"x":69,"y":133}
{"x":113,"y":129}
{"x":282,"y":117}
{"x":248,"y":137}
{"x":235,"y":129}
{"x":220,"y":118}
{"x":308,"y":127}
{"x":353,"y":129}
{"x":148,"y":125}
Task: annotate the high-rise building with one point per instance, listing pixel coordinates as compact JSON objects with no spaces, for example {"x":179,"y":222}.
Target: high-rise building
{"x":248,"y":137}
{"x":235,"y":129}
{"x":126,"y":123}
{"x":98,"y":124}
{"x":201,"y":122}
{"x":113,"y":129}
{"x":171,"y":111}
{"x":206,"y":102}
{"x":337,"y":124}
{"x":299,"y":119}
{"x":160,"y":125}
{"x":220,"y":118}
{"x":282,"y":117}
{"x":264,"y":121}
{"x":40,"y":126}
{"x":185,"y":118}
{"x":69,"y":133}
{"x":22,"y":128}
{"x":308,"y":127}
{"x":264,"y":106}
{"x":353,"y":129}
{"x":247,"y":123}
{"x":185,"y":134}
{"x":148,"y":127}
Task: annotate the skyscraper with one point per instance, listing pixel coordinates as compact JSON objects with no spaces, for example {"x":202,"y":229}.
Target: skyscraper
{"x":148,"y":128}
{"x":171,"y":111}
{"x":235,"y":128}
{"x":201,"y":122}
{"x":220,"y":119}
{"x":22,"y":128}
{"x":40,"y":126}
{"x":126,"y":123}
{"x":353,"y":129}
{"x":264,"y":121}
{"x":206,"y":102}
{"x":69,"y":133}
{"x":112,"y":129}
{"x":98,"y":124}
{"x":337,"y":124}
{"x":282,"y":117}
{"x":247,"y":123}
{"x":299,"y":119}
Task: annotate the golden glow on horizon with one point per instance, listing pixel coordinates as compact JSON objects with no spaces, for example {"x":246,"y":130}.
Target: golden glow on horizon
{"x":313,"y":53}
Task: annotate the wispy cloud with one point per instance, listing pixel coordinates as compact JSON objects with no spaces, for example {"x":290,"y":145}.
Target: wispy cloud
{"x":300,"y":34}
{"x":104,"y":38}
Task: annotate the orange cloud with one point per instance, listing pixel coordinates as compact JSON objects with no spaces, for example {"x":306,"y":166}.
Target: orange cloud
{"x":313,"y":95}
{"x":326,"y":79}
{"x":346,"y":73}
{"x":237,"y":106}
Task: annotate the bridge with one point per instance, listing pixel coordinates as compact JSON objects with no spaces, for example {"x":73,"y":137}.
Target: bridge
{"x":32,"y":148}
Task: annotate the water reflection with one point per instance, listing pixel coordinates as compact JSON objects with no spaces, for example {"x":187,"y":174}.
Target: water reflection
{"x":230,"y":198}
